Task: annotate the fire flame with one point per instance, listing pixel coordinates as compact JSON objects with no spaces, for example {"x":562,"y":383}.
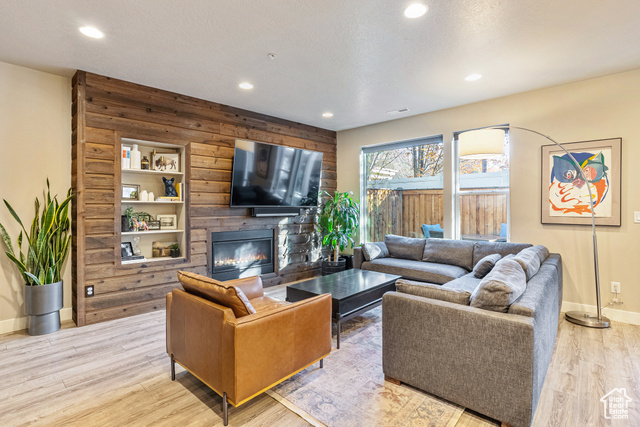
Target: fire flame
{"x":247,"y":259}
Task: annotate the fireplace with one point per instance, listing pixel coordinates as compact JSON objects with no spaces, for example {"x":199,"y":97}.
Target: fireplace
{"x":237,"y":254}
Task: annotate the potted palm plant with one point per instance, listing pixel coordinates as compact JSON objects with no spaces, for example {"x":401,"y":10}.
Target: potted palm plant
{"x":339,"y":219}
{"x":40,"y":264}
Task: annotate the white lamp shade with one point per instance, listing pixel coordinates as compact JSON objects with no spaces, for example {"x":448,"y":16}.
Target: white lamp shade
{"x":481,"y":144}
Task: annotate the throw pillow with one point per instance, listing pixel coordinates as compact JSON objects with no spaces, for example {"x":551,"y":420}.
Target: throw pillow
{"x":222,"y":293}
{"x":543,"y":252}
{"x":428,"y":290}
{"x":485,"y":265}
{"x":404,"y":247}
{"x":529,"y":259}
{"x":374,"y":250}
{"x":501,"y":287}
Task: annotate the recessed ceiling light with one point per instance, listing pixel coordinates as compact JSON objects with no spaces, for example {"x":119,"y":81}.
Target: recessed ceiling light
{"x":245,"y":85}
{"x":415,"y":10}
{"x":473,"y":77}
{"x":327,"y":115}
{"x":91,"y":32}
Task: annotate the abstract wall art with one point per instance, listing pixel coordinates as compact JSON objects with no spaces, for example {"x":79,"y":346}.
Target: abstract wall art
{"x":565,"y":194}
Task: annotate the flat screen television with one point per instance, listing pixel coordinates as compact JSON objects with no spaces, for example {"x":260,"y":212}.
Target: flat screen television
{"x":267,"y":175}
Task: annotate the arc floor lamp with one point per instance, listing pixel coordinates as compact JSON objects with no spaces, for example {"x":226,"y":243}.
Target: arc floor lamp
{"x":489,"y":141}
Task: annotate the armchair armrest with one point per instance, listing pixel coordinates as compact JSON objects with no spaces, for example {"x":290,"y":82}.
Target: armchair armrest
{"x":198,"y":339}
{"x":273,"y":345}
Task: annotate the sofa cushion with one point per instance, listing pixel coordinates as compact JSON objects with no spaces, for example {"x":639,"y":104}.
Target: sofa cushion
{"x":501,"y":287}
{"x":404,"y":247}
{"x":482,"y":249}
{"x":447,"y":251}
{"x":432,"y":291}
{"x":530,"y":259}
{"x":223,"y":293}
{"x":415,"y":270}
{"x":484,"y":266}
{"x":467,"y":283}
{"x":374,"y":250}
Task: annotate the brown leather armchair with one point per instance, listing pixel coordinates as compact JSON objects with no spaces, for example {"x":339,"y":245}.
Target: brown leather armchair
{"x":239,"y":342}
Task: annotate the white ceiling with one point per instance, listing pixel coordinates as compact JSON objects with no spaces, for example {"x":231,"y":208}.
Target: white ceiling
{"x":355,"y":58}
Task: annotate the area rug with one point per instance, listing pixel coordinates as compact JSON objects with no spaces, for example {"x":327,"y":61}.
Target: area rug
{"x":351,"y":390}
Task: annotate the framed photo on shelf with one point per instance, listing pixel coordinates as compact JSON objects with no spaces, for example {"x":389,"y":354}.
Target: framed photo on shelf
{"x":126,"y":250}
{"x":166,"y":162}
{"x":130,"y":191}
{"x":565,"y":194}
{"x":153,"y":224}
{"x":168,"y":222}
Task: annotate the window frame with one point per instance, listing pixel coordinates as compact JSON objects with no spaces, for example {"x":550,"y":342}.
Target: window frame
{"x":458,"y":193}
{"x":386,"y":146}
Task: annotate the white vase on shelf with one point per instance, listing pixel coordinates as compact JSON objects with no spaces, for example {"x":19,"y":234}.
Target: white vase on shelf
{"x":135,"y":157}
{"x":144,"y":196}
{"x":151,"y":197}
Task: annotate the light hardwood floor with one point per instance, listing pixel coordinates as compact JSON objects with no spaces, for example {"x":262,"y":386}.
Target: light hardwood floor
{"x":117,"y":373}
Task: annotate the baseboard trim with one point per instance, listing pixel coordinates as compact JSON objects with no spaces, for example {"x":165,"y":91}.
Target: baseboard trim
{"x":623,"y":316}
{"x":20,"y":323}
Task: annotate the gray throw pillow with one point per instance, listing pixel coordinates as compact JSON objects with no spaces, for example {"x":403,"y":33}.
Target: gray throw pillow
{"x":404,"y":247}
{"x":428,"y":290}
{"x":501,"y":287}
{"x":529,"y":259}
{"x":374,"y":250}
{"x":485,"y":265}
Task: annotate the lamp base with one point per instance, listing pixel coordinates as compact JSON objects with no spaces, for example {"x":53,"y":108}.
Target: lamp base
{"x":583,"y":318}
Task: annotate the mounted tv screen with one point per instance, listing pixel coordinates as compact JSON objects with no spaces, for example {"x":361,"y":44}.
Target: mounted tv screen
{"x":273,"y":175}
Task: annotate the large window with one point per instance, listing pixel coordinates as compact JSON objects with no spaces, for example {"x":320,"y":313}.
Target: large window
{"x":482,"y":195}
{"x":402,"y":189}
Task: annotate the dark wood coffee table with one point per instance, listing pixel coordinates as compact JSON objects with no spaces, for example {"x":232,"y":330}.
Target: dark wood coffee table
{"x":352,"y":292}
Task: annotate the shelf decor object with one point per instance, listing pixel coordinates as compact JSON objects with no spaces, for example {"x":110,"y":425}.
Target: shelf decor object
{"x":583,"y":171}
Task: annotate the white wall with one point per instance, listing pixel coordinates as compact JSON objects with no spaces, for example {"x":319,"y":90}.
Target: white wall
{"x":594,"y":109}
{"x":35,"y":143}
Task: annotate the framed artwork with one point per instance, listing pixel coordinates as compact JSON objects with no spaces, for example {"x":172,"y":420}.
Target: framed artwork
{"x":565,"y":194}
{"x":130,"y":191}
{"x":168,"y":162}
{"x":167,"y":222}
{"x":126,"y":250}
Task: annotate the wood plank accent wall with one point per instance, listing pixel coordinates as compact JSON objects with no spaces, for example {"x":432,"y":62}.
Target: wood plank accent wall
{"x":106,"y":110}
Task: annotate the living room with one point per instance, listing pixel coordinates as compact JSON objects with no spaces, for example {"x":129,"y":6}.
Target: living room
{"x":320,"y":83}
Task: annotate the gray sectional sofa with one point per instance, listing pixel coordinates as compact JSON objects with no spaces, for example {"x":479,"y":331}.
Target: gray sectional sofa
{"x":443,"y":332}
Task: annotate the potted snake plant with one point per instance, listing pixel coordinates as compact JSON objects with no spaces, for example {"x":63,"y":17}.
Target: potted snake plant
{"x":339,"y":219}
{"x":39,"y":255}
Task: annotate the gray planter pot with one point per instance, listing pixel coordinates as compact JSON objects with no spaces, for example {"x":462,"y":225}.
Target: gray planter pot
{"x":42,"y":304}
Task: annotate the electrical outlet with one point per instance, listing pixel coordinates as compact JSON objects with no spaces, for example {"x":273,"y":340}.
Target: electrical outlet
{"x":88,"y":291}
{"x":615,"y":287}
